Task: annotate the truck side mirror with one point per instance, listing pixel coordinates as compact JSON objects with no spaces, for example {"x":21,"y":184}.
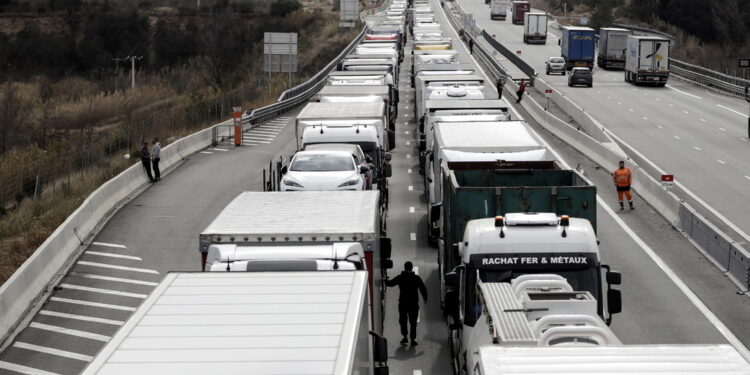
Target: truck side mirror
{"x":435,"y":212}
{"x":387,"y":170}
{"x":614,"y":278}
{"x":614,"y":301}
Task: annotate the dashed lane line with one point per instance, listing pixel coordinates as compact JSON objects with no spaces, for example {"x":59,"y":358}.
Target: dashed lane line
{"x":411,"y":188}
{"x":411,"y":210}
{"x":53,"y":351}
{"x":106,"y":244}
{"x":116,"y":267}
{"x":721,"y":161}
{"x":408,"y":170}
{"x":110,"y":255}
{"x":82,"y":317}
{"x":413,"y":236}
{"x":697,"y":148}
{"x":23,"y":369}
{"x":71,"y":332}
{"x":92,"y":304}
{"x":677,"y":137}
{"x":116,"y":279}
{"x":103,"y":291}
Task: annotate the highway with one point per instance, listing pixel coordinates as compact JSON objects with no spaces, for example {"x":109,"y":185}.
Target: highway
{"x":689,"y":131}
{"x":157,"y":232}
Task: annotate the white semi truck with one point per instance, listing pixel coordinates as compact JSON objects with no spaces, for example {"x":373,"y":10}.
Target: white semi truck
{"x":302,"y":231}
{"x":249,"y":323}
{"x":535,"y":28}
{"x":647,"y":61}
{"x":499,"y":9}
{"x":613,"y":47}
{"x":424,"y":84}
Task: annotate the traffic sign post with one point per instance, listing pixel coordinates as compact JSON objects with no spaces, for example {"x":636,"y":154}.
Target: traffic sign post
{"x":237,"y":117}
{"x":547,"y":93}
{"x":667,"y":181}
{"x":745,"y":63}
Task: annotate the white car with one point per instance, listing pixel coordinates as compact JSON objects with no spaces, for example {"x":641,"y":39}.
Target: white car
{"x":323,"y":170}
{"x":555,"y":64}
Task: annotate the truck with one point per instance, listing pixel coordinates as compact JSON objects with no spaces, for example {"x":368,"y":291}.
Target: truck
{"x":499,"y":9}
{"x":359,"y":94}
{"x":306,"y":230}
{"x":365,"y":124}
{"x":424,"y":84}
{"x":364,"y":78}
{"x":517,"y":10}
{"x":426,"y":67}
{"x":613,"y":47}
{"x":532,"y":310}
{"x":577,"y":46}
{"x":249,"y":323}
{"x":535,"y":28}
{"x":647,"y":61}
{"x":625,"y":359}
{"x":384,"y":63}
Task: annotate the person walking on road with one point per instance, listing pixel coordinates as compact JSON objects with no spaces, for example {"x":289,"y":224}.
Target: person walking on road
{"x":521,"y":90}
{"x":155,"y":157}
{"x":146,"y":160}
{"x":471,"y":47}
{"x":499,"y":86}
{"x":410,"y":285}
{"x":623,"y":177}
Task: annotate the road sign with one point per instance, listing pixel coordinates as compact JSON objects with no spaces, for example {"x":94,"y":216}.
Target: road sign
{"x":518,"y":52}
{"x":548,"y":91}
{"x":280,"y":52}
{"x":744,"y":63}
{"x":348,"y":13}
{"x":667,"y":180}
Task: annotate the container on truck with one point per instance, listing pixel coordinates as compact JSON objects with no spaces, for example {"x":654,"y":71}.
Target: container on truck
{"x":577,"y":46}
{"x":427,"y":68}
{"x":538,"y":310}
{"x":647,"y":61}
{"x":359,"y":94}
{"x":518,"y":9}
{"x":535,"y":28}
{"x":626,"y":359}
{"x":613,"y":47}
{"x":364,"y":78}
{"x":291,"y":231}
{"x":249,"y":323}
{"x":499,"y":9}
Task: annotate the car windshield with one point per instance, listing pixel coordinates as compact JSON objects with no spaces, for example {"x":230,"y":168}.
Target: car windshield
{"x":556,"y":60}
{"x":322,"y":163}
{"x":581,"y":72}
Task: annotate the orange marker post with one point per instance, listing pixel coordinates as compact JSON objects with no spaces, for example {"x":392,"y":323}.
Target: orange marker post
{"x":237,"y":117}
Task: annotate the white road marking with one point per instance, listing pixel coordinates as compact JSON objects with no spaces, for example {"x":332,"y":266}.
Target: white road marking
{"x":417,"y":372}
{"x":722,"y":129}
{"x":747,"y":177}
{"x":110,"y":278}
{"x":676,"y":137}
{"x":104,"y":265}
{"x":703,"y":120}
{"x":206,"y":152}
{"x":408,"y":156}
{"x":82,"y":317}
{"x":743,"y":139}
{"x":733,"y":340}
{"x":683,"y":92}
{"x":93,"y":304}
{"x":599,"y":92}
{"x":411,"y":188}
{"x":697,"y":148}
{"x":103,"y":291}
{"x":686,"y":112}
{"x":619,"y":102}
{"x":645,"y":94}
{"x":659,"y":126}
{"x":609,"y":97}
{"x":411,"y":210}
{"x":218,"y":149}
{"x":671,"y":105}
{"x":68,"y":331}
{"x":99,"y":253}
{"x":408,"y":170}
{"x":413,"y":236}
{"x":730,"y":109}
{"x":53,"y":351}
{"x":407,"y":132}
{"x":262,"y":137}
{"x":644,"y":118}
{"x":23,"y":369}
{"x":407,"y":143}
{"x":721,"y":161}
{"x":106,"y":244}
{"x":631,"y":110}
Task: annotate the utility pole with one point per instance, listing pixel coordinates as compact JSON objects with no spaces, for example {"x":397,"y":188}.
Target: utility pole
{"x":117,"y":70}
{"x":132,"y":69}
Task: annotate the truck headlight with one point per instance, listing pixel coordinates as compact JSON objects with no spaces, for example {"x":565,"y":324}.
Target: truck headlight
{"x":351,"y":182}
{"x":290,"y":182}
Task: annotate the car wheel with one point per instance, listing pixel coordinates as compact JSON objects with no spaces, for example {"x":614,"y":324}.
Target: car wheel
{"x":570,"y":84}
{"x":547,"y":72}
{"x":591,"y":85}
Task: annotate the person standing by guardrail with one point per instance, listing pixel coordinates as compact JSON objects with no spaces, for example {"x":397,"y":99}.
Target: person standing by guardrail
{"x":155,"y":157}
{"x":521,"y":90}
{"x":146,"y":161}
{"x":623,"y":177}
{"x":409,"y":285}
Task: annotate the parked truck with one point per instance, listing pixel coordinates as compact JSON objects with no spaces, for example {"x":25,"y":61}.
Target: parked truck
{"x":306,"y":230}
{"x":647,"y":61}
{"x":518,"y":9}
{"x":499,"y":9}
{"x":424,"y":84}
{"x":613,"y":47}
{"x":577,"y":47}
{"x":249,"y":323}
{"x":535,"y":28}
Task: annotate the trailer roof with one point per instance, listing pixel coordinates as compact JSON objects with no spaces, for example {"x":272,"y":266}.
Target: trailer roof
{"x":649,"y":37}
{"x":302,"y":213}
{"x":502,"y":136}
{"x":362,"y":90}
{"x":241,"y":323}
{"x":629,"y":359}
{"x":439,"y":105}
{"x":333,"y":111}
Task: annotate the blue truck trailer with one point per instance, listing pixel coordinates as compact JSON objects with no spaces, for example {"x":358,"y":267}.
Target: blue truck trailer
{"x":577,"y":47}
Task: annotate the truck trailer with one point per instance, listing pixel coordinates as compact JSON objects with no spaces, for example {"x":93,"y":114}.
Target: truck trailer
{"x":518,"y":9}
{"x":577,"y":47}
{"x":535,"y":28}
{"x":499,"y":9}
{"x":647,"y":61}
{"x":249,"y":323}
{"x":306,"y":230}
{"x":613,"y":47}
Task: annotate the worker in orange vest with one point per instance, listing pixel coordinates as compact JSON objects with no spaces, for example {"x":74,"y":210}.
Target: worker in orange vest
{"x":623,"y":177}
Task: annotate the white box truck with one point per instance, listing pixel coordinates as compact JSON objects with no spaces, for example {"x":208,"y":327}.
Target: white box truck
{"x":647,"y":61}
{"x":249,"y":323}
{"x":424,"y":84}
{"x":613,"y":46}
{"x":535,"y":28}
{"x":306,"y":230}
{"x":499,"y":9}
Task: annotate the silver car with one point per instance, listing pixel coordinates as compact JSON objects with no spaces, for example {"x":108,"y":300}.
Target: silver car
{"x":555,"y":64}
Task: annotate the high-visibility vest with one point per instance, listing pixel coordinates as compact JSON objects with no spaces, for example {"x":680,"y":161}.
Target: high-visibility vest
{"x":622,"y":176}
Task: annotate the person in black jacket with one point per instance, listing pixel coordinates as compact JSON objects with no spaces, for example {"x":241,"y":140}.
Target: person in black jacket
{"x":410,"y":285}
{"x":146,"y":160}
